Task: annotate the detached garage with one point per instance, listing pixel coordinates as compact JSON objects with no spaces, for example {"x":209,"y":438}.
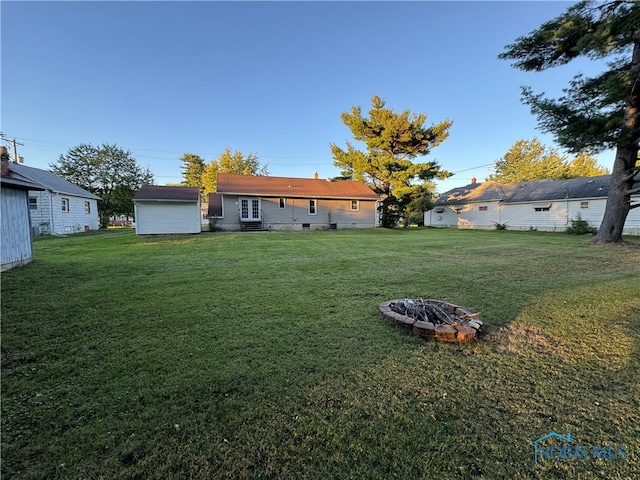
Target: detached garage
{"x":161,"y":210}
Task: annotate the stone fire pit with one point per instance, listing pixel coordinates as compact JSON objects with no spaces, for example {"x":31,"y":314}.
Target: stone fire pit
{"x":432,"y":319}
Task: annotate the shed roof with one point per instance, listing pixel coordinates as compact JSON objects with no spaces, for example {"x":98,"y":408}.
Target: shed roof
{"x":49,"y":181}
{"x":293,"y":187}
{"x":177,"y":194}
{"x":534,"y":191}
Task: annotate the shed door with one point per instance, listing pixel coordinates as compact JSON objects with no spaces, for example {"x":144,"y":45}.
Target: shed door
{"x":250,"y":209}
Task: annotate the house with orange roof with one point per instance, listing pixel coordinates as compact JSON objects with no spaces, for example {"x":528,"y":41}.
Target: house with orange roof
{"x":244,"y":203}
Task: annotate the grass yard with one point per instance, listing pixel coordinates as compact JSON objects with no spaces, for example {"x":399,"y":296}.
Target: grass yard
{"x":245,"y":356}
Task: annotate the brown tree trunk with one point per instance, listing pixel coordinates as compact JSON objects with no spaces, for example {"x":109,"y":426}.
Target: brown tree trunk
{"x":619,"y":198}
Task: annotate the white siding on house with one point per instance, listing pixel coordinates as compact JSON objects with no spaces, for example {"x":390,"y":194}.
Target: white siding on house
{"x":41,"y":216}
{"x":632,"y":225}
{"x":523,"y":216}
{"x":472,"y":215}
{"x":49,"y":218}
{"x":16,"y":247}
{"x":167,"y":217}
{"x":549,"y":205}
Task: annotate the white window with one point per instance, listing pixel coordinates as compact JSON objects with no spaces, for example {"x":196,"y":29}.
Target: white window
{"x":355,"y":205}
{"x":282,"y":202}
{"x":313,"y":204}
{"x":87,"y":207}
{"x":33,"y":203}
{"x":542,"y":207}
{"x":584,"y":204}
{"x":65,"y":205}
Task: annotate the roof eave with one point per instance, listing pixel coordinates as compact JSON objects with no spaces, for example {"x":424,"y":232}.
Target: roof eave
{"x":164,"y":200}
{"x":288,"y":195}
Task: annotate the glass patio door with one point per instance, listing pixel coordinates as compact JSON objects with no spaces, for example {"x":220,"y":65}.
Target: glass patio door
{"x":250,"y":209}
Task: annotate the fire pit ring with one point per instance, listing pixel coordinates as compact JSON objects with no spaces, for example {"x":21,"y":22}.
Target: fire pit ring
{"x":433,"y":319}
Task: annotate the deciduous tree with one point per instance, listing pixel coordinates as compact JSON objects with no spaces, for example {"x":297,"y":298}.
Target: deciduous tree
{"x":106,"y":171}
{"x":393,"y":140}
{"x":594,"y":113}
{"x":529,"y":160}
{"x":229,"y":162}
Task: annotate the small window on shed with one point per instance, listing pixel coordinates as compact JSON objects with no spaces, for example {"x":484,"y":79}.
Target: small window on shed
{"x":87,"y":207}
{"x":282,"y":203}
{"x":355,"y":205}
{"x":584,"y":204}
{"x":312,"y":207}
{"x":33,"y":203}
{"x":439,"y":210}
{"x":483,"y":208}
{"x":65,"y":205}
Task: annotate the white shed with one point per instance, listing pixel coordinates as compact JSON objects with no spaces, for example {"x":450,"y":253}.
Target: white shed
{"x":164,"y":210}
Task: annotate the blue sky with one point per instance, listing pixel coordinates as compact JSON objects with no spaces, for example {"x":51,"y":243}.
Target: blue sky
{"x":165,"y":78}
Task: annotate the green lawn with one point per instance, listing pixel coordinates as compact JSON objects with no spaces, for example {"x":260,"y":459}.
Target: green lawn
{"x":264,"y":356}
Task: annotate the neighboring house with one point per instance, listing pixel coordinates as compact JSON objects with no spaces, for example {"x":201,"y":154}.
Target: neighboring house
{"x":163,"y":210}
{"x":121,"y":221}
{"x":204,"y":214}
{"x":61,"y":207}
{"x":15,"y":225}
{"x":245,"y":202}
{"x":546,"y":205}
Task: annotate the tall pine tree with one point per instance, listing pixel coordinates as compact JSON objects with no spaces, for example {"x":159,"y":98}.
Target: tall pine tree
{"x":393,"y":141}
{"x":192,"y":170}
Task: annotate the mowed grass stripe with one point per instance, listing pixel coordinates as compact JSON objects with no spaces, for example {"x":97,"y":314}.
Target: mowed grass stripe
{"x":264,"y":356}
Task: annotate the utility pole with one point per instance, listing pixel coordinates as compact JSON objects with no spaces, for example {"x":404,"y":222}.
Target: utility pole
{"x":15,"y":144}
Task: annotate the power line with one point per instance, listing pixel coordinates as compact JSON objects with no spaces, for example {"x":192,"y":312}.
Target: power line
{"x":15,"y":143}
{"x":472,"y":168}
{"x":266,"y":158}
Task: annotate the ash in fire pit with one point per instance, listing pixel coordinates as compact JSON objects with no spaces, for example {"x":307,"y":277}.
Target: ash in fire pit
{"x":433,"y":319}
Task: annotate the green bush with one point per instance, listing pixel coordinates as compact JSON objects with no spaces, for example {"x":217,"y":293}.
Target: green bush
{"x":213,"y":224}
{"x":579,"y":226}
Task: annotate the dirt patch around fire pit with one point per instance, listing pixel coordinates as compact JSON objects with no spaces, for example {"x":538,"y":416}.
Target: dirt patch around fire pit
{"x":520,"y":338}
{"x":433,"y":319}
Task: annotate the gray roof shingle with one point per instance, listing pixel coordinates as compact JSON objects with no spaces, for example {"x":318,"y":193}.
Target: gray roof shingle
{"x":50,"y":181}
{"x":535,"y":191}
{"x":160,"y":192}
